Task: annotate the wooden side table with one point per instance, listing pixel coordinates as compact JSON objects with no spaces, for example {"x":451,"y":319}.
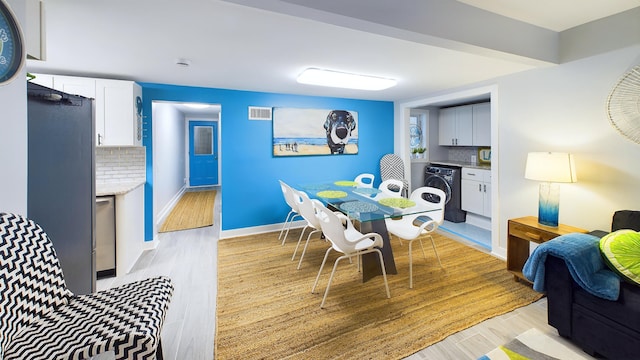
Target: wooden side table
{"x":525,"y":230}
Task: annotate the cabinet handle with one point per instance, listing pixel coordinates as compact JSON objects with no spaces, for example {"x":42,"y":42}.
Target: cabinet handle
{"x":485,"y":188}
{"x":533,"y":235}
{"x":480,"y":187}
{"x":99,"y":139}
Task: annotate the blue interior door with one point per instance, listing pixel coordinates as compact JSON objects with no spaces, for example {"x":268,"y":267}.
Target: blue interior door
{"x":203,"y":153}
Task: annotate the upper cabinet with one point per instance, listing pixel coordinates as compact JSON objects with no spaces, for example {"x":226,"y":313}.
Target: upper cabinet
{"x":482,"y":124}
{"x":118,"y":106}
{"x":456,"y":124}
{"x":118,"y":113}
{"x":467,"y":125}
{"x":75,"y":85}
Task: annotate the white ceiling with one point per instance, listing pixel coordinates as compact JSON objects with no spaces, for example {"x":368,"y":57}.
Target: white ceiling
{"x":262,"y":45}
{"x":556,"y":15}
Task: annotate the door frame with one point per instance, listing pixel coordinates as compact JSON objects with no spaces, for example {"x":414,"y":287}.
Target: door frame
{"x":188,"y":120}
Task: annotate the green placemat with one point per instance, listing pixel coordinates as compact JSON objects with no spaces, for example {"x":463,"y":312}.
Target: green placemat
{"x":345,"y":183}
{"x":397,"y":202}
{"x":332,"y":194}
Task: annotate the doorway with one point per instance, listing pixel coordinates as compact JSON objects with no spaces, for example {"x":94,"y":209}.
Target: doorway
{"x":436,"y":152}
{"x":171,"y":151}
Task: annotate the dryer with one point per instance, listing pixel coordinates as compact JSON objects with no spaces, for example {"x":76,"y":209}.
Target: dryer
{"x":449,"y":180}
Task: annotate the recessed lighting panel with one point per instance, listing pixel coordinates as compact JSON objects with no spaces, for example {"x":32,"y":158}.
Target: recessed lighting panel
{"x":321,"y":77}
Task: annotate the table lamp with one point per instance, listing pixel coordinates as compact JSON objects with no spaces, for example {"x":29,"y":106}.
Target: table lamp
{"x":551,"y":168}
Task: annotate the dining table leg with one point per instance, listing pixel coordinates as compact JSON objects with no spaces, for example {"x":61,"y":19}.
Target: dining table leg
{"x":371,"y":261}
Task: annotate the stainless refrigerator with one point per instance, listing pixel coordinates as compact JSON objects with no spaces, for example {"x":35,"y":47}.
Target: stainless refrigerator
{"x":61,"y":179}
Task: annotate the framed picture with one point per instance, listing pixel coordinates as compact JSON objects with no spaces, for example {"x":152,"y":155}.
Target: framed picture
{"x":484,"y":155}
{"x":298,"y":132}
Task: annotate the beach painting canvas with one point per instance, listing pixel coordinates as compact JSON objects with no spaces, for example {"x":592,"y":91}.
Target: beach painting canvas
{"x":299,"y":132}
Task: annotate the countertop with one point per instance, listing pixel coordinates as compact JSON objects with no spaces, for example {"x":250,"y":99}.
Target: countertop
{"x":119,"y":188}
{"x":466,"y":164}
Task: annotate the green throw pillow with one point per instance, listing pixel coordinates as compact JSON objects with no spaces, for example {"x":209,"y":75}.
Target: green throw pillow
{"x":621,"y":251}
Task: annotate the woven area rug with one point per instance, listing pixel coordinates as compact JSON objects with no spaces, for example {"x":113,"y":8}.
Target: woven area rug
{"x":193,"y":210}
{"x":265,"y":308}
{"x":533,"y":344}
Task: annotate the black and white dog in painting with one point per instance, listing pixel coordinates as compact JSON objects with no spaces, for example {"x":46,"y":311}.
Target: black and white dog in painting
{"x":339,"y":125}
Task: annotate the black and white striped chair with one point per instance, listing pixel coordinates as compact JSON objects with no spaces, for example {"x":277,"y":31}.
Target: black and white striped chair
{"x":41,"y":319}
{"x":392,"y":167}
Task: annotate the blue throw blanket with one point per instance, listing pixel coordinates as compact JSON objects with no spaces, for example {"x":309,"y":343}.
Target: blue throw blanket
{"x":582,"y":255}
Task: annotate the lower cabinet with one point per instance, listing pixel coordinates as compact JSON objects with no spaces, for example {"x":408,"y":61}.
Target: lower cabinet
{"x":129,"y":229}
{"x":476,"y":191}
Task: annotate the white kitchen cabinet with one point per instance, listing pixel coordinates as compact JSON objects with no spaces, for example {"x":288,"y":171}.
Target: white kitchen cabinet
{"x":118,"y":122}
{"x":467,"y":125}
{"x":476,"y":191}
{"x":482,"y":124}
{"x":117,"y":119}
{"x":75,"y":85}
{"x":456,"y":126}
{"x":129,"y":229}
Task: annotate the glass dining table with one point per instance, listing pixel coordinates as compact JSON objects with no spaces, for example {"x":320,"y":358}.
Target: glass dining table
{"x":369,"y":207}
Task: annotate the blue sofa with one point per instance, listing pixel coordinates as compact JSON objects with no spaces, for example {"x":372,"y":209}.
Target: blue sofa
{"x":602,"y":328}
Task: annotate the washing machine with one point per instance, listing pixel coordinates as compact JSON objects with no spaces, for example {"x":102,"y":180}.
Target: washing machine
{"x":449,"y":180}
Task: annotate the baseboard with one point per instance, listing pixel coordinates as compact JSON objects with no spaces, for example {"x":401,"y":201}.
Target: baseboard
{"x":162,"y":215}
{"x":479,"y":221}
{"x":254,"y":230}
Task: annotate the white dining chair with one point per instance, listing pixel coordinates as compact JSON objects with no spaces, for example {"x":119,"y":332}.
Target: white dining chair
{"x":290,"y":199}
{"x":308,"y":209}
{"x":345,"y":239}
{"x":392,"y":187}
{"x":414,"y":227}
{"x":365,"y":180}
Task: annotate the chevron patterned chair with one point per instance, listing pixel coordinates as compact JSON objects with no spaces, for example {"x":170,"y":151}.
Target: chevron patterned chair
{"x":41,"y":319}
{"x":392,"y":167}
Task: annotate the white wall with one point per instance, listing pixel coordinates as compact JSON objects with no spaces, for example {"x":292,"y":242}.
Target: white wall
{"x":13,"y":136}
{"x":168,"y":156}
{"x":562,"y":108}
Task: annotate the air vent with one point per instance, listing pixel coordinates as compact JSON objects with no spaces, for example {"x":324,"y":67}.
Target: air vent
{"x":259,"y":113}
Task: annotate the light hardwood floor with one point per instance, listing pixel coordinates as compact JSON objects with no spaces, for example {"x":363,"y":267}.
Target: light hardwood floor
{"x":189,"y":258}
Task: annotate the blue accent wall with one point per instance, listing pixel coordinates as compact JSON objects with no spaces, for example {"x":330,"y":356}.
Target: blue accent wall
{"x":251,"y":194}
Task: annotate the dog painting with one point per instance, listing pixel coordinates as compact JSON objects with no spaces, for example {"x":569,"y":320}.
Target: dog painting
{"x":339,"y":126}
{"x":299,"y":132}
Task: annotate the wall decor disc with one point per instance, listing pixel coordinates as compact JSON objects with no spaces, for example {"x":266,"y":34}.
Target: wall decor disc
{"x":623,"y":105}
{"x":11,"y":45}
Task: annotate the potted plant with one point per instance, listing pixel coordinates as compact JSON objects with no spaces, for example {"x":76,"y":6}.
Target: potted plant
{"x":418,"y":152}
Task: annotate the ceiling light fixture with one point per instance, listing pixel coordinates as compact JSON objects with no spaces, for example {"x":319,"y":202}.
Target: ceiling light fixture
{"x":321,"y":77}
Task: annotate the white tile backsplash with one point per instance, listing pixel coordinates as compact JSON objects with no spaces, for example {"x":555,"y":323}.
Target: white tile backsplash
{"x":120,"y":164}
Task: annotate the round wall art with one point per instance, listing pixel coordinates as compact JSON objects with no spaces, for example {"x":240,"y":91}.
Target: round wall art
{"x":623,"y":105}
{"x":11,"y":45}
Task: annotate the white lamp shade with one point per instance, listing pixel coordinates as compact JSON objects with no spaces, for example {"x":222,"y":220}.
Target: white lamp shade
{"x":550,"y":167}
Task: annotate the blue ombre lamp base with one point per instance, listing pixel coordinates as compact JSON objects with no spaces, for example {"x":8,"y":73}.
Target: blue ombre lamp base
{"x":549,"y":204}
